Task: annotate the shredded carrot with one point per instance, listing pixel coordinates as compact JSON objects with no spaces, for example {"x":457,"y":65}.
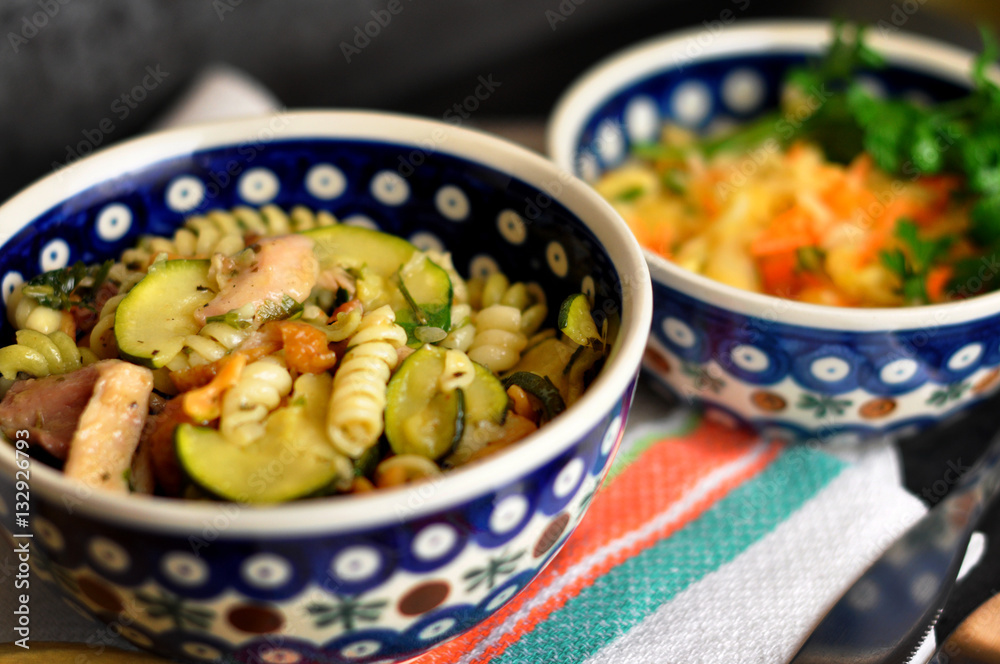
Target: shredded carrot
{"x":306,"y":349}
{"x":67,"y":324}
{"x":881,"y":232}
{"x":204,"y":404}
{"x":350,"y":305}
{"x":937,"y":282}
{"x":795,"y":151}
{"x":201,"y":374}
{"x":787,"y":231}
{"x":362,"y":485}
{"x":781,"y":244}
{"x":514,"y":429}
{"x":858,"y":171}
{"x":392,"y":476}
{"x":777,"y":272}
{"x":519,"y":399}
{"x":653,"y":234}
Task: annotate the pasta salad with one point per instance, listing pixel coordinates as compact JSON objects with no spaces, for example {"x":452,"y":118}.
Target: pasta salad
{"x":840,"y":197}
{"x":262,"y":356}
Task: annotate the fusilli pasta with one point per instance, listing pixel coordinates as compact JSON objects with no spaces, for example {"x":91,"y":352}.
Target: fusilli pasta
{"x":259,"y":390}
{"x":358,"y":398}
{"x":225,"y":232}
{"x":280,"y":346}
{"x":39,"y":355}
{"x":499,"y":340}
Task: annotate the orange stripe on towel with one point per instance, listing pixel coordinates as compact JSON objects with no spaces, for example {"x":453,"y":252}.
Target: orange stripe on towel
{"x":658,"y":480}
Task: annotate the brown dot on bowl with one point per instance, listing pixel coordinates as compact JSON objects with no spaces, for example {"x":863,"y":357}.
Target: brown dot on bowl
{"x":255,"y":619}
{"x":768,"y":401}
{"x":656,"y":359}
{"x":877,"y":408}
{"x":551,"y":535}
{"x":986,"y":382}
{"x":100,"y":594}
{"x":423,"y":598}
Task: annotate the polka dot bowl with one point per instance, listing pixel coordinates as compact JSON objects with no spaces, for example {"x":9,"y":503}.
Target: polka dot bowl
{"x":374,"y":578}
{"x":794,"y":370}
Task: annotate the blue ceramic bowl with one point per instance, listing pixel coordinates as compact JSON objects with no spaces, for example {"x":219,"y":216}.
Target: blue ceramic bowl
{"x":785,"y":368}
{"x":380,"y":577}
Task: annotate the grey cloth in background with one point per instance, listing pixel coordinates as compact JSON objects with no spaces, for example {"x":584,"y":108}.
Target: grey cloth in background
{"x":76,"y":75}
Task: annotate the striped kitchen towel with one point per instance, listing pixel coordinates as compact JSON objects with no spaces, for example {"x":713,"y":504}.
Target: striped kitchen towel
{"x":704,"y":545}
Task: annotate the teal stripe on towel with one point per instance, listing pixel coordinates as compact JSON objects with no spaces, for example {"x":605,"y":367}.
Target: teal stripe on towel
{"x":630,"y":592}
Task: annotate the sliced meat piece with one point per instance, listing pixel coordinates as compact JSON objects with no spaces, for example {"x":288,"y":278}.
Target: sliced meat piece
{"x":159,"y":436}
{"x":86,"y":317}
{"x":283,"y":265}
{"x":108,"y":431}
{"x":143,"y":478}
{"x":49,"y":408}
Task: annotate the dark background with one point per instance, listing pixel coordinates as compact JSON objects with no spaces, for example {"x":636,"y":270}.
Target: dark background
{"x":65,"y":64}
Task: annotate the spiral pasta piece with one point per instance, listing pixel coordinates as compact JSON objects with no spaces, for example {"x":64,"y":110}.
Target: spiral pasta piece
{"x":225,"y":232}
{"x":458,"y":373}
{"x":26,"y":313}
{"x":259,"y":390}
{"x":462,"y":331}
{"x":102,"y":336}
{"x":346,"y":324}
{"x":213,"y":342}
{"x":528,"y":298}
{"x":499,"y":340}
{"x":40,"y":355}
{"x":358,"y":400}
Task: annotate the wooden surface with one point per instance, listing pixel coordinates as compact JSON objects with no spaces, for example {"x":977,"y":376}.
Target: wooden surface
{"x":73,"y":653}
{"x":977,"y":640}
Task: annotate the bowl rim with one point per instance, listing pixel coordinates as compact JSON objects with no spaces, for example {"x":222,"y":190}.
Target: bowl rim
{"x":355,"y":512}
{"x":619,"y":71}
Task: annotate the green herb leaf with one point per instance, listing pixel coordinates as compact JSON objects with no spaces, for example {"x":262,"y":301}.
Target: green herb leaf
{"x":283,"y":310}
{"x":914,"y":261}
{"x":232,"y":319}
{"x":630,"y":194}
{"x":74,"y":285}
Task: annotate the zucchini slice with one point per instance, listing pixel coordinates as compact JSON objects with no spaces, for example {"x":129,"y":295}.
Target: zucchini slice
{"x":486,"y":398}
{"x":576,"y":321}
{"x":292,"y":460}
{"x":550,"y":359}
{"x":425,"y":285}
{"x":419,"y":418}
{"x":153,"y":319}
{"x":356,"y":247}
{"x":541,"y":387}
{"x":427,"y":290}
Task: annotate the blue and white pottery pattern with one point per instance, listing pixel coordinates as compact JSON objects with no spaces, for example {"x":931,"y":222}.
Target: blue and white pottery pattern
{"x":380,"y":594}
{"x":759,"y":367}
